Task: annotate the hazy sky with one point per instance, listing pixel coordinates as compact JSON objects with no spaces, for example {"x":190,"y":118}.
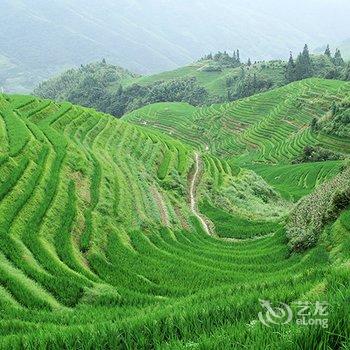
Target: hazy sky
{"x":147,"y":36}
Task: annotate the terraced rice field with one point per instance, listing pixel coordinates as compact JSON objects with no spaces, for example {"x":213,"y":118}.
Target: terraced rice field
{"x":297,"y":180}
{"x":271,"y":127}
{"x":100,"y":248}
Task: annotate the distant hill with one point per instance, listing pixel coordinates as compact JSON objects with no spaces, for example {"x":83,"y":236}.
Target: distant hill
{"x":197,"y":84}
{"x":41,"y":38}
{"x":213,"y":79}
{"x":78,"y":83}
{"x":115,"y":90}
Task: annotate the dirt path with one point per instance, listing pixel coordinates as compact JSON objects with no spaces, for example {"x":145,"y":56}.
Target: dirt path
{"x":193,"y":200}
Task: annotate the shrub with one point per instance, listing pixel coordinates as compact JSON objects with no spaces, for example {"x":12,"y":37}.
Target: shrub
{"x":317,"y":154}
{"x":338,"y":122}
{"x":314,"y":211}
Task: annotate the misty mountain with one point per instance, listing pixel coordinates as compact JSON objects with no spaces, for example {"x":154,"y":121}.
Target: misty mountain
{"x":150,"y":36}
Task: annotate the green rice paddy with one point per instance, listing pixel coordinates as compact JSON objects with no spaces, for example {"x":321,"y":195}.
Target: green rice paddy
{"x":99,"y":248}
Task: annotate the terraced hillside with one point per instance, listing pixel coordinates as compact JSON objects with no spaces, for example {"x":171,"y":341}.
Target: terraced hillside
{"x":272,"y":128}
{"x":113,"y":235}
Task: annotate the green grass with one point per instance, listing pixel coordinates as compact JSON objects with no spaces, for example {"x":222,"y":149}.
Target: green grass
{"x":163,"y":169}
{"x":99,"y":248}
{"x":297,"y":180}
{"x":235,"y":226}
{"x":17,"y":132}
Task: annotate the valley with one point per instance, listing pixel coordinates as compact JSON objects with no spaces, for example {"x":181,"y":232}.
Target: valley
{"x":166,"y":228}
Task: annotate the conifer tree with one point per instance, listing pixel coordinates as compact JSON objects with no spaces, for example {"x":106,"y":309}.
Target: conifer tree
{"x":334,"y":108}
{"x":303,"y":66}
{"x":120,"y":90}
{"x":234,"y":56}
{"x":290,"y":70}
{"x":328,"y":51}
{"x":314,"y":124}
{"x":255,"y":83}
{"x":307,"y":62}
{"x":338,"y":59}
{"x":242,"y":73}
{"x":299,"y":67}
{"x":249,"y":62}
{"x":346,"y":72}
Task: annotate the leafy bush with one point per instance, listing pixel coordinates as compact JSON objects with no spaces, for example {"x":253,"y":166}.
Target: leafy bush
{"x":250,"y":85}
{"x":317,"y":154}
{"x":336,"y":121}
{"x":314,"y":211}
{"x":234,"y":225}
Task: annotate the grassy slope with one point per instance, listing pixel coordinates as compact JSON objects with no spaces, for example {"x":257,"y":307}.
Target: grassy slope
{"x":95,"y":225}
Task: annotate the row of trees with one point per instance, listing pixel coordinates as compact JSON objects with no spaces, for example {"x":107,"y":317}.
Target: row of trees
{"x":92,"y":93}
{"x":136,"y":96}
{"x":247,"y":84}
{"x":303,"y":67}
{"x":317,"y":154}
{"x":224,"y":60}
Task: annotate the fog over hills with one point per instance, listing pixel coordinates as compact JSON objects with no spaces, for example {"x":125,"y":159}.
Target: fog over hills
{"x":345,"y":48}
{"x":155,"y":35}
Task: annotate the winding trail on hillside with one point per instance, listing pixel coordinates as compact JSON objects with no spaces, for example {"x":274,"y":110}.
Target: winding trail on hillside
{"x":193,"y":201}
{"x":194,"y":179}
